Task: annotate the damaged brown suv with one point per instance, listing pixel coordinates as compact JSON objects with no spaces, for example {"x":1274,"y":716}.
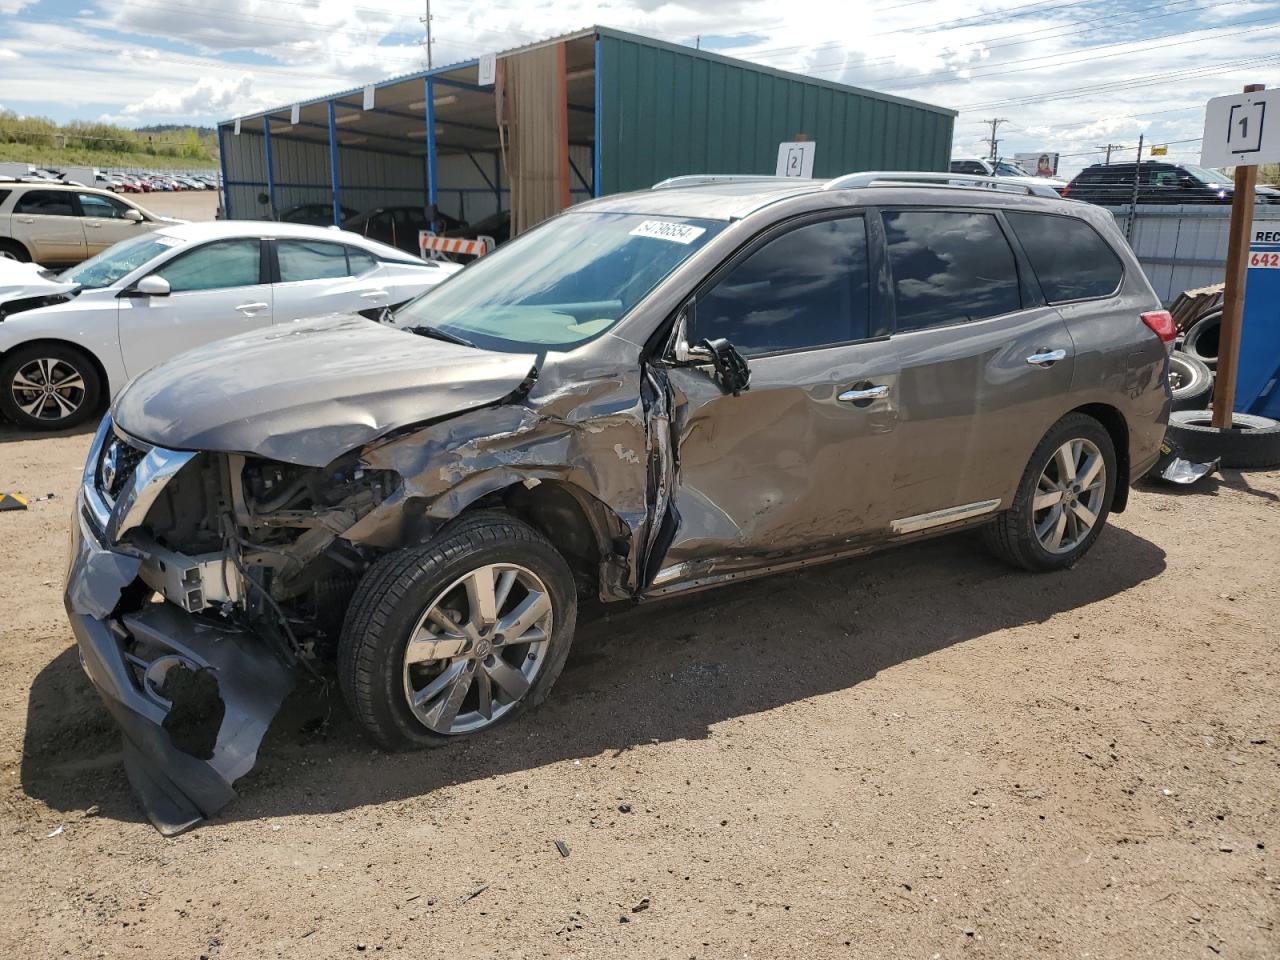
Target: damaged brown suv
{"x":650,"y":394}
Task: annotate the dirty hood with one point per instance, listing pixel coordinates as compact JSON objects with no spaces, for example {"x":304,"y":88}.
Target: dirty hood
{"x":306,"y":392}
{"x":22,"y":281}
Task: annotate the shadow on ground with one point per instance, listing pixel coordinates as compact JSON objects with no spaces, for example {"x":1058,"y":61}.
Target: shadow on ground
{"x":654,"y":673}
{"x":11,"y":433}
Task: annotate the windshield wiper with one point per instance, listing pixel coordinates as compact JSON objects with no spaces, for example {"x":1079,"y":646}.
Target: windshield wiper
{"x":437,"y":333}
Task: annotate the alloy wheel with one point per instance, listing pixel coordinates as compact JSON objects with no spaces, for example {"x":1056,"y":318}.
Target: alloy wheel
{"x":48,"y":388}
{"x":475,"y":652}
{"x":1068,"y":496}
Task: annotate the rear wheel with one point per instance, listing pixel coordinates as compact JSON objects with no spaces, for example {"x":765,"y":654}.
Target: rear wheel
{"x":458,"y":636}
{"x":48,"y":387}
{"x":1063,"y":499}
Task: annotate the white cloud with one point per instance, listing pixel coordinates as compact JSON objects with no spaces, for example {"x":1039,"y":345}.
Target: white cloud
{"x":216,"y":96}
{"x":6,"y":54}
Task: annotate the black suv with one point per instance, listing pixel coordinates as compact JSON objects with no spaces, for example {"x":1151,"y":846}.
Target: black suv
{"x":1111,"y":184}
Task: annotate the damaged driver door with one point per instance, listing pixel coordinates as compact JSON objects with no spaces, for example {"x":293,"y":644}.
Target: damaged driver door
{"x":796,"y":463}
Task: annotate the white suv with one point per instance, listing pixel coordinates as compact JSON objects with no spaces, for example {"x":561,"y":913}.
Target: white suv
{"x":55,"y":224}
{"x":1004,"y":169}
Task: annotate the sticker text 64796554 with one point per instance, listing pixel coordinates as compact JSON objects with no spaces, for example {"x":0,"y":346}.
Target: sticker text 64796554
{"x":666,"y":230}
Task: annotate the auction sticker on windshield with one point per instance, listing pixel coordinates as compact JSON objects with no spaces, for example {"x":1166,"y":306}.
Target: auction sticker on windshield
{"x":665,"y":230}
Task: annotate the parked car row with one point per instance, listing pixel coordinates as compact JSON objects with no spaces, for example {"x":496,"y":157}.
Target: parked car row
{"x":399,"y":226}
{"x":148,"y":182}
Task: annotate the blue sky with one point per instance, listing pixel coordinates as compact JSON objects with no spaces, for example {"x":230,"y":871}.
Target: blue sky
{"x":1067,"y":75}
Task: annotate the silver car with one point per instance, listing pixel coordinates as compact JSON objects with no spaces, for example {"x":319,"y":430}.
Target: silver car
{"x":650,"y":394}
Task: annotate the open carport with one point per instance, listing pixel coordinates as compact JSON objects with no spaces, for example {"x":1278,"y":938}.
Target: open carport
{"x":539,"y":127}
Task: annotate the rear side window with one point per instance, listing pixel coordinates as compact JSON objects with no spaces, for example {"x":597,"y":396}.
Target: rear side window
{"x":1070,"y":259}
{"x":4,"y":195}
{"x":949,"y":267}
{"x":360,"y":261}
{"x":807,"y":288}
{"x":48,"y":203}
{"x":311,"y":260}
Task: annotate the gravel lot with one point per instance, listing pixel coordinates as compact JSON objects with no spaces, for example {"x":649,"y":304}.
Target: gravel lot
{"x":921,"y":754}
{"x":183,"y":204}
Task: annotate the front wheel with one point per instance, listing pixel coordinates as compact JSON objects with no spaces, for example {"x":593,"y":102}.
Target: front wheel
{"x":48,"y":387}
{"x":457,"y":636}
{"x":1063,"y":499}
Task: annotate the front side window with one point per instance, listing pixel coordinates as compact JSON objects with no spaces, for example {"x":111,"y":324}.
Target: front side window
{"x":949,"y":266}
{"x":96,"y":205}
{"x":311,"y":260}
{"x":562,"y":284}
{"x":1068,"y":257}
{"x":214,"y":266}
{"x":360,"y":262}
{"x":45,"y":203}
{"x":807,"y":288}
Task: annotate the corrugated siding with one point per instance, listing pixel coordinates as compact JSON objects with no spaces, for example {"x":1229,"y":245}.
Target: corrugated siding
{"x":666,"y":114}
{"x":1184,"y":247}
{"x":301,"y":168}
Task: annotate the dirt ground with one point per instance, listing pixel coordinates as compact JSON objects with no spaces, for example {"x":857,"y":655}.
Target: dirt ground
{"x":920,"y":754}
{"x":183,"y":204}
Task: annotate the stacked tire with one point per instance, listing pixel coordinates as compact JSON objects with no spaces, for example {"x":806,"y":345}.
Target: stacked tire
{"x":1251,"y":441}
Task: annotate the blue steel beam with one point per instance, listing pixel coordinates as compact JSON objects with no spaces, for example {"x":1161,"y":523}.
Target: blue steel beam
{"x":429,"y":111}
{"x":333,"y":167}
{"x":222,"y":162}
{"x":271,"y":176}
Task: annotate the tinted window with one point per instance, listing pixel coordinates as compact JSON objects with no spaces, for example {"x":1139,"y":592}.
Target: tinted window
{"x":967,"y":166}
{"x":807,"y":288}
{"x":1069,"y":258}
{"x":4,"y":195}
{"x":359,"y":261}
{"x":224,"y":263}
{"x":949,"y":267}
{"x":49,"y":203}
{"x":310,"y":260}
{"x":95,"y":205}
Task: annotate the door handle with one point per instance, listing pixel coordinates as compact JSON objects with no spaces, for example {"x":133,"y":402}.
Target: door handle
{"x":1046,"y":358}
{"x":25,"y":219}
{"x":870,"y":393}
{"x":251,"y":308}
{"x":95,"y":226}
{"x":374,"y":295}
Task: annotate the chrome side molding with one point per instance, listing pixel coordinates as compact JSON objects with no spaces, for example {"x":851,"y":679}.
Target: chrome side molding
{"x":938,"y":518}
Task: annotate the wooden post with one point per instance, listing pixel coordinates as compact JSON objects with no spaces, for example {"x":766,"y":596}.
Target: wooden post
{"x":1242,"y":201}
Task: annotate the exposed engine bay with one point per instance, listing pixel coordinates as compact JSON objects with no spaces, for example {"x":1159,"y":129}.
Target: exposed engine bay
{"x":258,"y":544}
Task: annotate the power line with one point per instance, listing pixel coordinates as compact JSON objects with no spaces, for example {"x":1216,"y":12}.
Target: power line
{"x":1226,"y":66}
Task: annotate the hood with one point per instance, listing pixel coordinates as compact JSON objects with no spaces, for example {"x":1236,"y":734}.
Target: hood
{"x":26,"y":281}
{"x":308,"y":391}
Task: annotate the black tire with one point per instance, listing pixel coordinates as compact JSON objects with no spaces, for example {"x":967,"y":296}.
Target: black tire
{"x":395,"y":592}
{"x":51,"y":414}
{"x":13,"y":250}
{"x":1252,"y":442}
{"x":1201,"y":340}
{"x":1191,"y":380}
{"x":1011,"y":536}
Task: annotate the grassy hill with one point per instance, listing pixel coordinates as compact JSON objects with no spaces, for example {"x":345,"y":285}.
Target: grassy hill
{"x":41,"y":141}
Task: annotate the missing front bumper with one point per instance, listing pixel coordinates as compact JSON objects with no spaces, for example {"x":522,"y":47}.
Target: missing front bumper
{"x":193,"y":698}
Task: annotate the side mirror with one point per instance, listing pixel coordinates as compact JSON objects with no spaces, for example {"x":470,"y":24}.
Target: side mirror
{"x":133,"y":215}
{"x":152,"y":286}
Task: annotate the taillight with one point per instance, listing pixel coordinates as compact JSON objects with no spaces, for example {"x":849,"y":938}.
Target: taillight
{"x":1066,"y":190}
{"x":1161,"y":324}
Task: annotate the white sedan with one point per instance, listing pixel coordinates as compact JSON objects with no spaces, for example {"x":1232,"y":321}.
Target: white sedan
{"x":66,"y":342}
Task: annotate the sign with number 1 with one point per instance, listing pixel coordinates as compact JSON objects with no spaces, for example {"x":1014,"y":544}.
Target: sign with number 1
{"x":1243,"y":128}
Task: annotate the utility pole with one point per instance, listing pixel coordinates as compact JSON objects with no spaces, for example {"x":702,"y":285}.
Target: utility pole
{"x":995,"y":125}
{"x":427,"y":23}
{"x":1108,"y":148}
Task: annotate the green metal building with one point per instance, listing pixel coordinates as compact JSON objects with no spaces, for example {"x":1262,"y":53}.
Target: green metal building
{"x":539,"y":127}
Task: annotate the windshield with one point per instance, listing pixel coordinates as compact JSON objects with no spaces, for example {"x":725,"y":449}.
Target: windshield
{"x":1006,"y":169}
{"x":1208,"y":177}
{"x":120,"y":260}
{"x":562,"y":284}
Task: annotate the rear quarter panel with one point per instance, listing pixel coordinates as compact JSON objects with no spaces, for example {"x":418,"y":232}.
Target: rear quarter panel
{"x":1120,"y":362}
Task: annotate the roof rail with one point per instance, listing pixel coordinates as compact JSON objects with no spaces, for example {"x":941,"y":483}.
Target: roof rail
{"x":888,"y":178}
{"x":701,"y":179}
